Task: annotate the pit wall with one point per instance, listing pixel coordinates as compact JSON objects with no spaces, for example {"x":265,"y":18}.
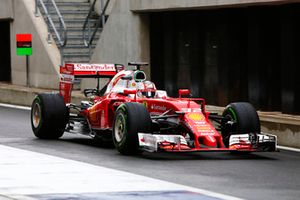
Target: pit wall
{"x":45,"y":59}
{"x":287,"y":134}
{"x":286,"y":127}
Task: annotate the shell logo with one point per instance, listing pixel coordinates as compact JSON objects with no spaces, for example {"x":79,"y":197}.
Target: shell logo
{"x":196,"y":116}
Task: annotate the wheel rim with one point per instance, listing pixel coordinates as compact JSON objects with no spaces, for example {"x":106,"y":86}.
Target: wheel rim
{"x":36,"y":115}
{"x":120,"y":128}
{"x":228,"y":116}
{"x":232,"y":115}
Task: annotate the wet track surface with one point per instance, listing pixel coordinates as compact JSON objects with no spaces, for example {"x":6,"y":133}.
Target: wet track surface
{"x":251,"y":176}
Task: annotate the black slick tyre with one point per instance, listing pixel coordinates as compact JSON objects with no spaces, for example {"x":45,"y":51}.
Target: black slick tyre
{"x":244,"y":117}
{"x":130,"y":119}
{"x":49,"y":116}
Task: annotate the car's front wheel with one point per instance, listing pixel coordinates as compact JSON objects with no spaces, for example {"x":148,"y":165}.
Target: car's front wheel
{"x":49,"y":116}
{"x":130,"y":119}
{"x":240,"y":118}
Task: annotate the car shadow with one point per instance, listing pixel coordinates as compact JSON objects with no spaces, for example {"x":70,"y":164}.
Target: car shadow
{"x":208,"y":156}
{"x":89,"y":142}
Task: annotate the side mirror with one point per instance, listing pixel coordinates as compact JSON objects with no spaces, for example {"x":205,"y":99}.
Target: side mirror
{"x":184,"y":92}
{"x":90,"y":92}
{"x":128,"y":91}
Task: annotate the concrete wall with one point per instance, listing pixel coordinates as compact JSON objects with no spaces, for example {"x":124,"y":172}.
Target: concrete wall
{"x":45,"y":59}
{"x":154,"y":5}
{"x":6,"y":9}
{"x":287,"y":134}
{"x":286,"y":127}
{"x":125,"y":38}
{"x":108,"y":9}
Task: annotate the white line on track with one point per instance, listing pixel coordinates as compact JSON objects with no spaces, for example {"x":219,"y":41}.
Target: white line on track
{"x":15,"y":106}
{"x":288,"y":148}
{"x":26,"y":173}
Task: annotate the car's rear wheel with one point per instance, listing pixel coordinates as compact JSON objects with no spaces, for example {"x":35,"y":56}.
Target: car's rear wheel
{"x":49,"y":116}
{"x":240,"y":118}
{"x":130,"y":119}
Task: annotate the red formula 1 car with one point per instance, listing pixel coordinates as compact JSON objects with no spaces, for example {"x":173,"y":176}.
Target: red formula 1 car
{"x":132,"y":113}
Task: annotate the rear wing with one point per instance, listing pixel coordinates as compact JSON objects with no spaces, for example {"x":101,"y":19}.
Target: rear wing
{"x":70,"y":71}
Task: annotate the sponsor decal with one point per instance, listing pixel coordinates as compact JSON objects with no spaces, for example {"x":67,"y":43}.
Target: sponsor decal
{"x":145,"y":104}
{"x":196,"y":116}
{"x":158,"y":107}
{"x":207,"y":133}
{"x":67,"y":78}
{"x":199,"y":122}
{"x":67,"y":69}
{"x":94,"y":114}
{"x":203,"y":127}
{"x":188,"y":110}
{"x":94,"y":67}
{"x":65,"y":90}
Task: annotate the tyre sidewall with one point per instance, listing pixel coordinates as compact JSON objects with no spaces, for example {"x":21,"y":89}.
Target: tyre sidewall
{"x":122,"y":111}
{"x":37,"y":100}
{"x":54,"y":116}
{"x":137,"y":120}
{"x":245,"y":117}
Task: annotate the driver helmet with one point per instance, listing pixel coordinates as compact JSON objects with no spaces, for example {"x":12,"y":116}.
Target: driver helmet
{"x":149,"y":89}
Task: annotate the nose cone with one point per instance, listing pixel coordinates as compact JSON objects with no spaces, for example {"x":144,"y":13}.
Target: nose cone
{"x":209,"y":141}
{"x":203,"y":130}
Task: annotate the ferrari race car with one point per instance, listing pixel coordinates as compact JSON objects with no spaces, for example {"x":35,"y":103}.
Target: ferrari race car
{"x":133,"y":114}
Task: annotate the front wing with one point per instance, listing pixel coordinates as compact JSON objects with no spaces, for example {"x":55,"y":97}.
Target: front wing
{"x":252,"y":142}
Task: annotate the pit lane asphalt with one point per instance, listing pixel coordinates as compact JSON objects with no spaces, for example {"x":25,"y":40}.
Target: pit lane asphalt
{"x":253,"y":176}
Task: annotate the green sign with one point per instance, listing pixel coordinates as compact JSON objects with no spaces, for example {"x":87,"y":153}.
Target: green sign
{"x":24,"y":51}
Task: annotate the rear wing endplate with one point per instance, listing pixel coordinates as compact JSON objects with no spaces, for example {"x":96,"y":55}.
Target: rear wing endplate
{"x":70,"y":71}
